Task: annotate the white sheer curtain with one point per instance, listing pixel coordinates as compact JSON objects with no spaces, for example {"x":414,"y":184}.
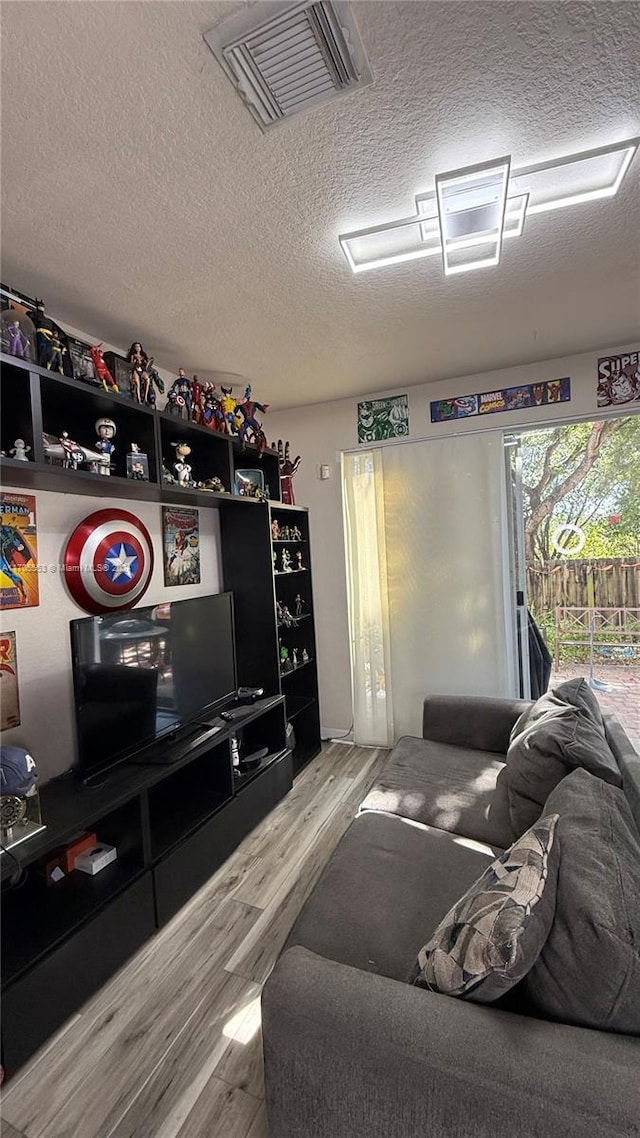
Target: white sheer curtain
{"x":368,"y":596}
{"x":427,"y":555}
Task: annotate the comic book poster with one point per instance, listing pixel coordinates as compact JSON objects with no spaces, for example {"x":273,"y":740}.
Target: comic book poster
{"x":380,"y":419}
{"x":181,"y":545}
{"x":9,"y":702}
{"x":19,"y":551}
{"x":619,"y":379}
{"x":505,"y":399}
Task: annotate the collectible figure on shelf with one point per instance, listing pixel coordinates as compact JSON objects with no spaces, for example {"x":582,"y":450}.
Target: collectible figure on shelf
{"x":275,"y":530}
{"x":197,"y":400}
{"x":214,"y":484}
{"x":182,"y":469}
{"x":20,"y":450}
{"x":299,"y":604}
{"x":18,"y":343}
{"x":294,"y":657}
{"x":18,"y":334}
{"x":287,"y":567}
{"x":45,"y":330}
{"x":299,"y":560}
{"x":167,"y":476}
{"x":101,"y":369}
{"x":137,"y":464}
{"x":275,"y":561}
{"x":106,"y":430}
{"x":153,"y":380}
{"x":285,"y":662}
{"x":56,"y":362}
{"x":284,"y":533}
{"x":211,"y":416}
{"x":251,"y":431}
{"x":81,"y":361}
{"x":296,"y":534}
{"x":249,"y":484}
{"x":228,"y":408}
{"x":287,"y":470}
{"x":305,"y":656}
{"x":73,"y":455}
{"x":286,"y":618}
{"x":179,"y":396}
{"x":138,"y":360}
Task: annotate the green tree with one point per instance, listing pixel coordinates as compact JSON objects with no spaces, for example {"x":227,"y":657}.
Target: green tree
{"x":582,"y":474}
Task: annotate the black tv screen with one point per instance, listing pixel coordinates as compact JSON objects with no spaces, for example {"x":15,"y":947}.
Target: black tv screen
{"x":143,"y":674}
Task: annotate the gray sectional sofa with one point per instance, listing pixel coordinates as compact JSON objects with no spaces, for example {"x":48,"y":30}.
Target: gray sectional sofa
{"x":351,"y":1049}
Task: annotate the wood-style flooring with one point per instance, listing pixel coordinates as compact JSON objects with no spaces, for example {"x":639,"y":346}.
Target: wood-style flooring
{"x":171,"y":1046}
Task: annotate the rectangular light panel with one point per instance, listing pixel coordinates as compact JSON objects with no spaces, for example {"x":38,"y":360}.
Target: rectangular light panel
{"x":471,"y":210}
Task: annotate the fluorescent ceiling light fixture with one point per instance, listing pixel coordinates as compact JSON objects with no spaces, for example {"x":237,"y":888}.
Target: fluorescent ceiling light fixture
{"x":479,"y":207}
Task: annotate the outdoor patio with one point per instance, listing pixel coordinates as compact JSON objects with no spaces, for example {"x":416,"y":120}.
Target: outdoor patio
{"x":624,"y":698}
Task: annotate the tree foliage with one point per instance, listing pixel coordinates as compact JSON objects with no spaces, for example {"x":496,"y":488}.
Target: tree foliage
{"x":584,"y":474}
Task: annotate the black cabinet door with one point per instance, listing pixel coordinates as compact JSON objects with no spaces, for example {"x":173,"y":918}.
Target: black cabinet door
{"x":189,"y":867}
{"x":38,"y":1004}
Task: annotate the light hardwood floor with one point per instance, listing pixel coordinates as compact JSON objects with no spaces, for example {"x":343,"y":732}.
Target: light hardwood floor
{"x":171,"y":1046}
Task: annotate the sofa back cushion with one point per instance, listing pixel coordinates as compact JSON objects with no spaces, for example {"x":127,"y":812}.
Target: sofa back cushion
{"x":588,"y":972}
{"x":578,"y":693}
{"x":491,"y":937}
{"x":548,"y":741}
{"x":628,"y":760}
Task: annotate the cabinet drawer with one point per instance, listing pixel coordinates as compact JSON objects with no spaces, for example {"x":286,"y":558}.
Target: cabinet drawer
{"x":189,"y":867}
{"x":36,"y":1006}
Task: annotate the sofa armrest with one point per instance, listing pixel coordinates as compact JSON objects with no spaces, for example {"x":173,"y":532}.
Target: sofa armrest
{"x":349,"y":1054}
{"x":481,"y":722}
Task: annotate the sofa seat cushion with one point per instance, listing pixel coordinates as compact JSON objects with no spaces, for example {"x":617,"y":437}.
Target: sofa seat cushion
{"x":588,"y":972}
{"x":548,"y":741}
{"x":493,"y":935}
{"x":450,"y":787}
{"x":387,"y":884}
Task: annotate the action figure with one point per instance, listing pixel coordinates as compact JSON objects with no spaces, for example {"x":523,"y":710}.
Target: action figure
{"x":285,"y":662}
{"x":275,"y":530}
{"x":136,"y":468}
{"x":101,"y":369}
{"x":197,"y":393}
{"x":72,"y":454}
{"x":287,"y":470}
{"x":45,"y":331}
{"x":299,"y":604}
{"x":284,"y":533}
{"x":138,"y":360}
{"x":250,"y":429}
{"x":57,"y":352}
{"x":296,"y":534}
{"x":20,"y":451}
{"x":299,"y":560}
{"x":305,"y":656}
{"x":294,"y":657}
{"x":179,"y":396}
{"x":286,"y":561}
{"x":106,"y":430}
{"x":228,"y":408}
{"x":181,"y":468}
{"x":18,"y":343}
{"x":153,"y":380}
{"x":214,"y":484}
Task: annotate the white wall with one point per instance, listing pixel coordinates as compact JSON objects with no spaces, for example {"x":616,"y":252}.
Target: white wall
{"x":323,"y":431}
{"x":42,"y":633}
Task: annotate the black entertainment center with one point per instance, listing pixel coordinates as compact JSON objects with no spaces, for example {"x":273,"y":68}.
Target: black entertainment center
{"x":178,"y":798}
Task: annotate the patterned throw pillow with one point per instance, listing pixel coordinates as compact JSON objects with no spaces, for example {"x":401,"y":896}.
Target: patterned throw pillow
{"x":494,"y":934}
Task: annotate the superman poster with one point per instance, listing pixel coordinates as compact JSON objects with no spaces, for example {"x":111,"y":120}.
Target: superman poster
{"x":19,"y":551}
{"x":619,"y":379}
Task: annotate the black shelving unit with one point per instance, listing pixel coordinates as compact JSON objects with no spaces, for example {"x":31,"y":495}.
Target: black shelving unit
{"x":172,"y":826}
{"x":298,"y":681}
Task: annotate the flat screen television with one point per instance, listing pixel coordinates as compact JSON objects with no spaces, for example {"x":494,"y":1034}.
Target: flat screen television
{"x":142,"y":675}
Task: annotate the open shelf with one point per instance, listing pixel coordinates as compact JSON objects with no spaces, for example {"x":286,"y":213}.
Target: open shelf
{"x":241,"y":778}
{"x":297,"y":668}
{"x":186,"y":798}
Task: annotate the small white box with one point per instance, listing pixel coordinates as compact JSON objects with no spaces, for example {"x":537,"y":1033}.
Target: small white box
{"x":95,"y":859}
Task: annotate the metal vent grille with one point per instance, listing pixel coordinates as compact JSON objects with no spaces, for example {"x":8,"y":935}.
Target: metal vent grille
{"x":298,"y":57}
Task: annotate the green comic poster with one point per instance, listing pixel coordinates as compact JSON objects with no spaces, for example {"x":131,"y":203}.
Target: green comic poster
{"x":380,"y":419}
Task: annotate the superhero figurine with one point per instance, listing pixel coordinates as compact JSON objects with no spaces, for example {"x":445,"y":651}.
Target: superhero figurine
{"x":45,"y":330}
{"x":18,"y":343}
{"x":197,"y":394}
{"x":251,"y":430}
{"x":138,"y":360}
{"x":287,"y":470}
{"x":153,"y":380}
{"x":57,"y":353}
{"x":228,"y":408}
{"x":179,"y":396}
{"x":101,"y":369}
{"x":106,"y":429}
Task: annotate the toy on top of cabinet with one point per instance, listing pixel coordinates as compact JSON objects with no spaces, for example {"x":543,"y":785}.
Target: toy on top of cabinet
{"x":51,"y":343}
{"x":182,"y":469}
{"x":251,"y":431}
{"x":288,"y":467}
{"x":179,"y":396}
{"x":18,"y":335}
{"x":102,"y":371}
{"x":138,"y":360}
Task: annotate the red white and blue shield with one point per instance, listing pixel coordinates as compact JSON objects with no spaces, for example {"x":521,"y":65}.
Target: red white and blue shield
{"x":108,"y":561}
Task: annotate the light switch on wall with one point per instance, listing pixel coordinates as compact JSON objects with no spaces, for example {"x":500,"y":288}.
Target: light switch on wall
{"x":324,"y":471}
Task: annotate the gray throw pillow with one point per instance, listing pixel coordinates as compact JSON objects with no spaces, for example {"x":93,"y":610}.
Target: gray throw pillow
{"x":588,"y":972}
{"x":578,"y":693}
{"x":549,"y":740}
{"x":492,"y":936}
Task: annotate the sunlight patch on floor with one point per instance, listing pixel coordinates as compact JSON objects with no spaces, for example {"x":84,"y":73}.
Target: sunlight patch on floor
{"x":244,"y":1024}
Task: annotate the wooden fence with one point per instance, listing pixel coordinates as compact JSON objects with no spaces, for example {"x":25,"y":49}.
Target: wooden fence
{"x":563,"y":583}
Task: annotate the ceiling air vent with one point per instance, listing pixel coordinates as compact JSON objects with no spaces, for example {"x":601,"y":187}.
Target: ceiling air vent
{"x":298,"y":56}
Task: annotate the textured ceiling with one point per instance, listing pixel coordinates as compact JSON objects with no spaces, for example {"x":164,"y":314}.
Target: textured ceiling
{"x":143,"y":202}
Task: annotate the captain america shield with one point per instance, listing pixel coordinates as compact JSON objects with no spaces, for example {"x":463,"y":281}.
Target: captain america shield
{"x":108,"y":561}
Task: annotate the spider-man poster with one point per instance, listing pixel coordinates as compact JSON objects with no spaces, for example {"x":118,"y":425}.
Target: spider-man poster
{"x":19,"y":551}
